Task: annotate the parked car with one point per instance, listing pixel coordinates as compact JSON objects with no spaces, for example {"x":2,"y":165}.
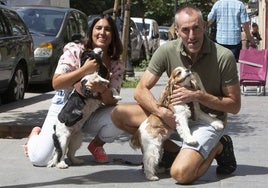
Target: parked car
{"x":136,"y":45}
{"x":51,"y":28}
{"x":16,"y":56}
{"x":151,"y":32}
{"x":163,"y":31}
{"x":137,"y":49}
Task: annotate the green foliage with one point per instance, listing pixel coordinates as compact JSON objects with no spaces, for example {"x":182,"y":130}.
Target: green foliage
{"x":142,"y":66}
{"x":130,"y":83}
{"x":91,"y":7}
{"x":160,"y":10}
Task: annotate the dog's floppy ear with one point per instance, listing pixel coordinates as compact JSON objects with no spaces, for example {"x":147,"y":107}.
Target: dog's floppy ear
{"x":193,"y":82}
{"x":164,"y":98}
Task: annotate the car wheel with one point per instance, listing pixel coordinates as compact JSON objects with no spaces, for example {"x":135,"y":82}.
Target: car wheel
{"x":17,"y":87}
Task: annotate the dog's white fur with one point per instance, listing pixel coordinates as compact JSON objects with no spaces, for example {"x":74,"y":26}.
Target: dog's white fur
{"x":153,"y":131}
{"x":70,"y":138}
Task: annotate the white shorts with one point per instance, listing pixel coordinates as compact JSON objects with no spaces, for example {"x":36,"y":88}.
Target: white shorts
{"x":206,"y":135}
{"x":101,"y":124}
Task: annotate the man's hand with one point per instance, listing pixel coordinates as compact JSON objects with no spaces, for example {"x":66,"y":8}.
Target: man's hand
{"x":182,"y":95}
{"x":168,"y":117}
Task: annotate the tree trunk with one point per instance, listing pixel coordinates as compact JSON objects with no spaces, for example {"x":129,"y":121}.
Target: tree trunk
{"x":125,"y":35}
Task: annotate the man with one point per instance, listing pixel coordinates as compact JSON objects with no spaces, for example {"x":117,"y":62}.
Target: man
{"x":229,"y":16}
{"x":216,"y":67}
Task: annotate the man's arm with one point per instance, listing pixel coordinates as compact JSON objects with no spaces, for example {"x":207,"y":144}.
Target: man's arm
{"x":145,"y":98}
{"x":230,"y":103}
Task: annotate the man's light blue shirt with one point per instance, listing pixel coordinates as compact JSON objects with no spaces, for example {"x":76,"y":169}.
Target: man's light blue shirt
{"x":229,"y":16}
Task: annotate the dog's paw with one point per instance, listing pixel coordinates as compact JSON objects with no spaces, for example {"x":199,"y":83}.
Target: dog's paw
{"x":116,"y":95}
{"x":62,"y":165}
{"x":50,"y":164}
{"x":151,"y":177}
{"x":218,"y":125}
{"x":190,"y":140}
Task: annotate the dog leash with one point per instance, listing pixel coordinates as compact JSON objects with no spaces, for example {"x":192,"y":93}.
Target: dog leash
{"x":125,"y":162}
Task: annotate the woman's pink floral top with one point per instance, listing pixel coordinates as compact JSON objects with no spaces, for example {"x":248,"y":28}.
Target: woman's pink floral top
{"x":70,"y":61}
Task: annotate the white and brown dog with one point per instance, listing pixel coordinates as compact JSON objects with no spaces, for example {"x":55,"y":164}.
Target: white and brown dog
{"x":68,"y":135}
{"x":153,"y":131}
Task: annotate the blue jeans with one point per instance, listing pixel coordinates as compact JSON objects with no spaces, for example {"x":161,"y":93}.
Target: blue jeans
{"x":234,"y":48}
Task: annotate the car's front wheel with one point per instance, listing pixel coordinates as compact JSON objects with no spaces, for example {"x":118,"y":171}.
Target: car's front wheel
{"x":17,"y":87}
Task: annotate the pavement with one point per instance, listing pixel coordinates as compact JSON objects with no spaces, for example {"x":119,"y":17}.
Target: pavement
{"x":248,"y":130}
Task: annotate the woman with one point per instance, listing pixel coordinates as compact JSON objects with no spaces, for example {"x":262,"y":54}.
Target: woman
{"x":103,"y":34}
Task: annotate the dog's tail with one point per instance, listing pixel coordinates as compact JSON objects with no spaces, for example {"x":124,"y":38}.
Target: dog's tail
{"x":135,"y":142}
{"x":57,"y":145}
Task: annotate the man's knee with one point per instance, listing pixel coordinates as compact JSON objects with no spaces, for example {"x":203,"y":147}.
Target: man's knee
{"x":181,"y":174}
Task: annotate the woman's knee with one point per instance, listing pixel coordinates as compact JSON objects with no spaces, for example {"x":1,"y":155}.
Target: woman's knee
{"x":109,"y":133}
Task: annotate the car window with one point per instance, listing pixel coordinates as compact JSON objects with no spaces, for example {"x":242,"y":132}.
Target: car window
{"x":71,"y":27}
{"x":140,"y":27}
{"x":47,"y":22}
{"x":82,"y":23}
{"x":163,"y":35}
{"x":17,"y":27}
{"x":3,"y":26}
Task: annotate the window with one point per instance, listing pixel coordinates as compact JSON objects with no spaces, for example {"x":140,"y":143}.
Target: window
{"x":16,"y":25}
{"x":3,"y":27}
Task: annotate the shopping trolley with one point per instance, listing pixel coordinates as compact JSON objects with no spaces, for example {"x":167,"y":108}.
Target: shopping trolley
{"x":253,"y":71}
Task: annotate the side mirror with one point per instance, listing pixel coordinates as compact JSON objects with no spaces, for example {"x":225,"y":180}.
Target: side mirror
{"x":76,"y":37}
{"x":156,"y":36}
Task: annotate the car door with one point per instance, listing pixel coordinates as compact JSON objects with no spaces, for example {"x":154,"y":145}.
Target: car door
{"x":76,"y":24}
{"x":135,"y":40}
{"x":6,"y":52}
{"x":81,"y":21}
{"x":155,"y":36}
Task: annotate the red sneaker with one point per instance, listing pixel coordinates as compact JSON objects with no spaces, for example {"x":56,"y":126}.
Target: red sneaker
{"x":98,"y":153}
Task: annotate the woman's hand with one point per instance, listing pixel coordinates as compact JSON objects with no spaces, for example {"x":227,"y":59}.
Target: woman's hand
{"x":89,"y":66}
{"x":96,"y":86}
{"x":67,"y":80}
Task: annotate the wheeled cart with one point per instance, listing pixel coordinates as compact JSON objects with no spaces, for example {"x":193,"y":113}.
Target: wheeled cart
{"x":253,"y":71}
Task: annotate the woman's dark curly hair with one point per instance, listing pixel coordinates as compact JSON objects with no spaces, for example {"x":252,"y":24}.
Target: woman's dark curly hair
{"x":115,"y":49}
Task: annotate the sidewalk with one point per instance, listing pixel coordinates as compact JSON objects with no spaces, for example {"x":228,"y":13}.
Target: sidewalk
{"x":248,"y":129}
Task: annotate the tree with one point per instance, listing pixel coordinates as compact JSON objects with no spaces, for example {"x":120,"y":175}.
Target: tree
{"x":160,"y":10}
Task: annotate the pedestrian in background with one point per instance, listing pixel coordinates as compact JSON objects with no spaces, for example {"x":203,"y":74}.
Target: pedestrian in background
{"x":255,"y":33}
{"x":229,"y":15}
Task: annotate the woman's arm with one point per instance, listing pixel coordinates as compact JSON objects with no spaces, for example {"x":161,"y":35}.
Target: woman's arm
{"x":68,"y":79}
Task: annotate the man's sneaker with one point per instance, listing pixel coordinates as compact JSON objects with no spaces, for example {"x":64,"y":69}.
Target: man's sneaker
{"x":226,"y":159}
{"x":98,"y":153}
{"x":167,"y":159}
